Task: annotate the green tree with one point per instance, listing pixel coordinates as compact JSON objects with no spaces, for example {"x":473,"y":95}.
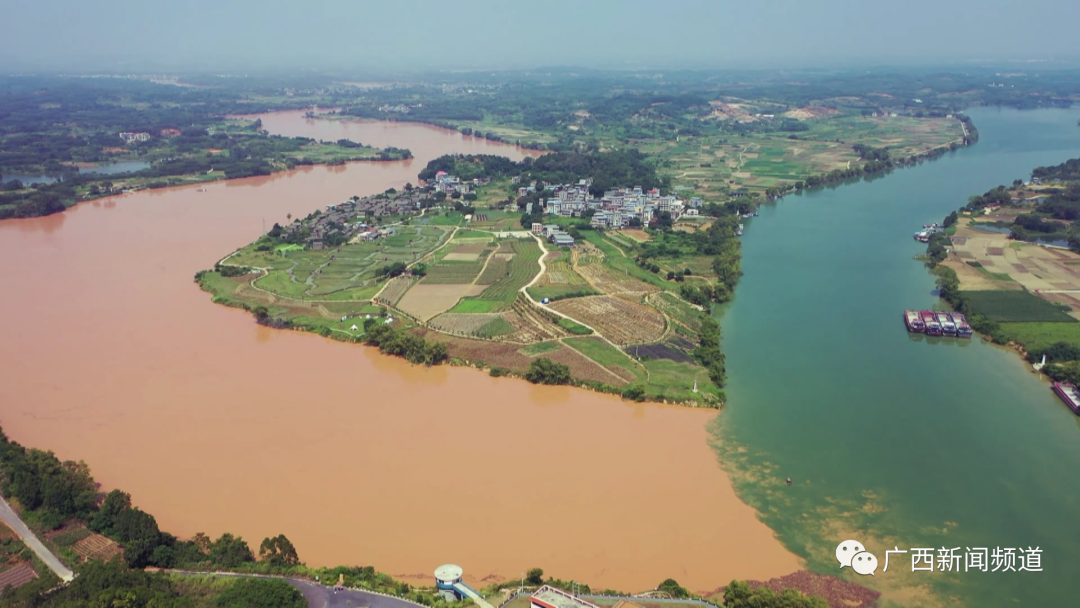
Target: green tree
{"x":230,"y":552}
{"x":535,"y":576}
{"x":546,"y":371}
{"x":673,"y":588}
{"x":261,"y":593}
{"x":104,"y":521}
{"x":278,"y":551}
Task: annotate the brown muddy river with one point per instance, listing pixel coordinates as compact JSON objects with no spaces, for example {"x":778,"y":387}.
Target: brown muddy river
{"x":112,"y":355}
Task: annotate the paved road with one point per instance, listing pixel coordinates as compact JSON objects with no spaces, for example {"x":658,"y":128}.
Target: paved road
{"x":321,"y":596}
{"x":12,"y":520}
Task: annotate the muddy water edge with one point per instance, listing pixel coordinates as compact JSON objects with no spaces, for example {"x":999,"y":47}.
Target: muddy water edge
{"x":112,"y":355}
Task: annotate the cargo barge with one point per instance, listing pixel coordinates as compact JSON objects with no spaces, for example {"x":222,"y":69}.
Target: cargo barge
{"x":1069,"y":395}
{"x":963,"y":330}
{"x":947,"y":326}
{"x":933,"y":328}
{"x":913,"y":321}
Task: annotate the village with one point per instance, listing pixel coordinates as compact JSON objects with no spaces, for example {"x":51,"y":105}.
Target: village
{"x":617,"y":208}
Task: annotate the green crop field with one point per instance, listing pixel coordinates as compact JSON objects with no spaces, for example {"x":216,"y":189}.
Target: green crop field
{"x":453,"y":218}
{"x":468,"y":305}
{"x":1015,"y":307}
{"x":495,"y":327}
{"x":518,"y":273}
{"x":672,"y":379}
{"x":605,"y":354}
{"x":1037,"y":336}
{"x":573,"y":327}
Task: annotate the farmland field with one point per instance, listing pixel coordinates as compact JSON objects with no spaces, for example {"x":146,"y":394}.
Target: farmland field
{"x":671,"y":379}
{"x":97,"y":547}
{"x":617,"y":320}
{"x":678,"y":310}
{"x":426,"y":301}
{"x":460,"y":323}
{"x":452,"y":272}
{"x":520,"y":270}
{"x":560,"y":280}
{"x":531,"y":323}
{"x":539,"y":348}
{"x":394,"y":289}
{"x":606,"y":355}
{"x":1015,"y":307}
{"x":1037,"y":336}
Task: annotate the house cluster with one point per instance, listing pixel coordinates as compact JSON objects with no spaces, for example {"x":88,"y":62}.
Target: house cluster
{"x":130,"y":137}
{"x":553,"y":233}
{"x":616,"y":208}
{"x":349,"y":218}
{"x":395,"y":109}
{"x":444,"y":182}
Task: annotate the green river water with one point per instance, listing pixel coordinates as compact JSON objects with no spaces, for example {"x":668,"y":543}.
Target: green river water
{"x":890,"y":439}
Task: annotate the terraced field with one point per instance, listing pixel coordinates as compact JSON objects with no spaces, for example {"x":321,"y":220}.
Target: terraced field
{"x":394,"y":289}
{"x":97,"y":547}
{"x":560,"y":280}
{"x":678,"y":311}
{"x":616,"y":319}
{"x":531,"y":324}
{"x":17,"y":576}
{"x":614,"y":283}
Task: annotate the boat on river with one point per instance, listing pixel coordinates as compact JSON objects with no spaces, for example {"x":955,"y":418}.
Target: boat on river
{"x":1069,"y":395}
{"x":913,"y":321}
{"x":933,"y":328}
{"x":963,"y":330}
{"x":947,"y":326}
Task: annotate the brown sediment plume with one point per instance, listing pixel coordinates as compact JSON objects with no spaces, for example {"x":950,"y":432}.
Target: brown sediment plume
{"x":112,"y":355}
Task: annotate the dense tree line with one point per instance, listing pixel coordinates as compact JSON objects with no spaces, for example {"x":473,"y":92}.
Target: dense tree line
{"x":401,"y":344}
{"x":469,"y":166}
{"x":708,"y":351}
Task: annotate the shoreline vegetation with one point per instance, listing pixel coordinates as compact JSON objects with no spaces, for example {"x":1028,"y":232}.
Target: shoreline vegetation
{"x":1035,"y":316}
{"x":118,"y":552}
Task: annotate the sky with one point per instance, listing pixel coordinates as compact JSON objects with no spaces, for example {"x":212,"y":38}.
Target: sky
{"x":420,"y":35}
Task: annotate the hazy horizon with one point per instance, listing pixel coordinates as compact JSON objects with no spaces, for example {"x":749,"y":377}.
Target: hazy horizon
{"x":337,"y":35}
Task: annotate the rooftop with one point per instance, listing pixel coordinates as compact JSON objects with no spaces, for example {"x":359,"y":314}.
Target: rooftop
{"x":448,"y":572}
{"x":556,"y":598}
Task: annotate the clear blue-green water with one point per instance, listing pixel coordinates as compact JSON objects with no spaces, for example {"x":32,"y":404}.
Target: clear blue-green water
{"x":890,"y":439}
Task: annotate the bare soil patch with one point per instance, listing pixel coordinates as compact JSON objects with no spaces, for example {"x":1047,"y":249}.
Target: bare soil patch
{"x":454,"y":256}
{"x":426,"y":301}
{"x":638,"y":235}
{"x":616,"y":319}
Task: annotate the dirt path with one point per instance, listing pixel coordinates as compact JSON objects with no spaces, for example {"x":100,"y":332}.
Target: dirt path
{"x":543,"y":268}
